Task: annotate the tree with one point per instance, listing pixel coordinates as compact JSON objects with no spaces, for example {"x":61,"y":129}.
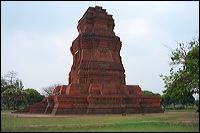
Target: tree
{"x":18,"y":84}
{"x":149,"y":93}
{"x":197,"y":102}
{"x":48,"y":91}
{"x":12,"y":93}
{"x":183,"y":80}
{"x":10,"y":80}
{"x":11,"y":75}
{"x":13,"y":97}
{"x":4,"y":84}
{"x":33,"y":96}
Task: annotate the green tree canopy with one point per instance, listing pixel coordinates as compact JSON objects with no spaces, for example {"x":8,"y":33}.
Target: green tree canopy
{"x":13,"y":97}
{"x":13,"y":94}
{"x":4,"y":84}
{"x":149,"y":93}
{"x":183,"y":80}
{"x":33,"y":96}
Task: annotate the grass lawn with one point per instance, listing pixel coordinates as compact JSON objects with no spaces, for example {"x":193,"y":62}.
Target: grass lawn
{"x":170,"y":121}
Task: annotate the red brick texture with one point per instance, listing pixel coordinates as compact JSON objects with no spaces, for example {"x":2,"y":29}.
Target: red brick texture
{"x":97,"y":80}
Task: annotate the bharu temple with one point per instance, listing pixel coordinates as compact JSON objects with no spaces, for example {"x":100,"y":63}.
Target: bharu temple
{"x":96,"y":83}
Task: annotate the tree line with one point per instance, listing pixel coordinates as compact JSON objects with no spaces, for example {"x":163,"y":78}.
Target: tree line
{"x":14,"y":96}
{"x":183,"y":80}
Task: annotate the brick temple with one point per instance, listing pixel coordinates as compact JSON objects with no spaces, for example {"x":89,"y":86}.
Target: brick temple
{"x":96,"y":83}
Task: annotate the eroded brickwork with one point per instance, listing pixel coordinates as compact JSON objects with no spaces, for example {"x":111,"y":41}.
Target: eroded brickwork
{"x":97,"y":77}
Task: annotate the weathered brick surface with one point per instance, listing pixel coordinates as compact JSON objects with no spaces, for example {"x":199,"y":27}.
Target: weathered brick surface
{"x":97,"y":80}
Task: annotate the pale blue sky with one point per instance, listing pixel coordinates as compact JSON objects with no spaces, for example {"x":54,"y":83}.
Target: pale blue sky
{"x":36,"y":38}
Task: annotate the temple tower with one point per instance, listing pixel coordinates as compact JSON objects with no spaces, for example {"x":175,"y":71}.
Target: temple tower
{"x":96,"y":80}
{"x":96,"y":54}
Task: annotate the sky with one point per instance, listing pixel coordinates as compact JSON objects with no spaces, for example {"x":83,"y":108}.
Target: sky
{"x":36,"y":38}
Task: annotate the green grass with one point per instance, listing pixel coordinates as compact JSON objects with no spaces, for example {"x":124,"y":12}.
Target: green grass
{"x":170,"y":121}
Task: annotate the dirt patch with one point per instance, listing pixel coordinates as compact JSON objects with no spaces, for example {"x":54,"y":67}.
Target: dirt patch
{"x":32,"y":115}
{"x":188,"y":120}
